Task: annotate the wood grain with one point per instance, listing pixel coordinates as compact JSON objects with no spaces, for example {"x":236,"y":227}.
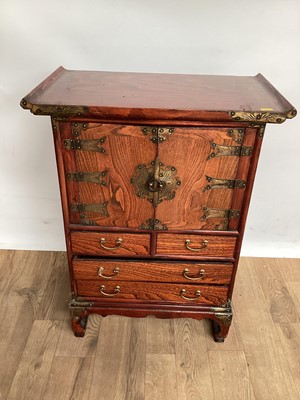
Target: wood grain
{"x":141,"y":291}
{"x":160,"y":336}
{"x":33,"y":370}
{"x":235,"y":384}
{"x":160,"y":271}
{"x":69,"y":378}
{"x":119,"y":370}
{"x":160,"y":380}
{"x":193,"y":373}
{"x":217,"y":246}
{"x":88,"y":243}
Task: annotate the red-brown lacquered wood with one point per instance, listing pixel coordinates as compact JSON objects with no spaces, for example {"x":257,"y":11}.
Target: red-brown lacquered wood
{"x":64,"y":198}
{"x":166,"y":96}
{"x":114,"y":244}
{"x":124,"y":147}
{"x":191,"y":151}
{"x":141,"y":291}
{"x":160,"y":271}
{"x":245,"y":207}
{"x":199,"y":245}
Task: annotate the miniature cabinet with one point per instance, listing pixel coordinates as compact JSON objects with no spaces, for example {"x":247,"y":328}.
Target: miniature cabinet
{"x":156,"y":173}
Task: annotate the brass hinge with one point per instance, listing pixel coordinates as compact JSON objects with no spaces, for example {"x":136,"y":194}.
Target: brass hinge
{"x":85,"y":145}
{"x":91,"y":177}
{"x":222,"y":214}
{"x":90,"y":207}
{"x":154,"y":224}
{"x":158,"y":134}
{"x":216,"y":183}
{"x":221,"y":151}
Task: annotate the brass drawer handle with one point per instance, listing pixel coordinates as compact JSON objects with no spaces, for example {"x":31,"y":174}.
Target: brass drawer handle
{"x":118,"y":244}
{"x":115,"y":273}
{"x":117,"y":290}
{"x":197,"y":294}
{"x":193,"y":278}
{"x":203,"y":245}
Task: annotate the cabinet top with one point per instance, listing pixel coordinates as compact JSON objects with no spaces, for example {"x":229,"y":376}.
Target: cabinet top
{"x":150,"y":96}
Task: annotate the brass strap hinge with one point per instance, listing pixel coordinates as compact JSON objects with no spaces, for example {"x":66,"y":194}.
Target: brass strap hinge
{"x":157,"y":134}
{"x":85,"y":145}
{"x":221,"y":151}
{"x":90,"y":207}
{"x":219,"y":213}
{"x":91,"y":177}
{"x":215,"y":183}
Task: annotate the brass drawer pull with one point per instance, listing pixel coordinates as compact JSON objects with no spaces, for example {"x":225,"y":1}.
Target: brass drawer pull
{"x":117,"y":290}
{"x":197,"y":294}
{"x":118,"y":244}
{"x":115,"y":271}
{"x":193,"y":278}
{"x":203,"y":245}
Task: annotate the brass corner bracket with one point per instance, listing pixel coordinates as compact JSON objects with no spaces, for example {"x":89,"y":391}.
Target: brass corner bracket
{"x":257,"y":116}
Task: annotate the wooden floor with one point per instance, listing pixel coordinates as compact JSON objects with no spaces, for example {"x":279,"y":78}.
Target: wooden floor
{"x":135,"y":359}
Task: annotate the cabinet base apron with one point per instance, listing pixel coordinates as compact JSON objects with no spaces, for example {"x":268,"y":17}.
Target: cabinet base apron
{"x":221,"y":316}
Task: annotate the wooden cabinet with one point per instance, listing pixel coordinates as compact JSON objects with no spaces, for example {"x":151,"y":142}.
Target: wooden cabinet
{"x":156,"y":173}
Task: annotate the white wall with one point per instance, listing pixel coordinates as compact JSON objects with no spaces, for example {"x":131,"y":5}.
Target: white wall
{"x":192,"y":36}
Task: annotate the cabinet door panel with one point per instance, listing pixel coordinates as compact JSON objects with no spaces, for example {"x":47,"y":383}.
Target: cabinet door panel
{"x":206,"y":162}
{"x":105,"y":157}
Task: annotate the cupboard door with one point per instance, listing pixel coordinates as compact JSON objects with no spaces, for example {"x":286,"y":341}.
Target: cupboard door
{"x":100,"y":160}
{"x":205,"y":164}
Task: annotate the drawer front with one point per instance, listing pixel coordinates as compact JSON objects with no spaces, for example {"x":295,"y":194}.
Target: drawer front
{"x":196,"y":245}
{"x":153,"y":292}
{"x":110,"y":244}
{"x":107,"y":270}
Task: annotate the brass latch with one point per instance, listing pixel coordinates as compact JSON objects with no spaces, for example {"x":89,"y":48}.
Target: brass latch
{"x":216,"y":183}
{"x":222,"y":151}
{"x":85,"y":145}
{"x":155,"y":182}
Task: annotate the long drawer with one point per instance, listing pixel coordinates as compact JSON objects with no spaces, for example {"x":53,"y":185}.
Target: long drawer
{"x":162,"y":271}
{"x":153,"y":292}
{"x":110,"y":244}
{"x":195,"y":245}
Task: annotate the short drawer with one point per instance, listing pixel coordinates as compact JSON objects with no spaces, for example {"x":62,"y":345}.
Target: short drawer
{"x":124,"y":270}
{"x":110,"y":244}
{"x":196,"y":245}
{"x":153,"y":292}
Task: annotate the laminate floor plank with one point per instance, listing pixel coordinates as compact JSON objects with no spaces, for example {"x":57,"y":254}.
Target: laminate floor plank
{"x":34,"y":367}
{"x":278,"y":298}
{"x":71,"y":346}
{"x":232,"y":342}
{"x":119,"y":370}
{"x":160,"y":335}
{"x":290,"y":268}
{"x":160,"y":380}
{"x":192,"y":362}
{"x":54,"y":303}
{"x":23,"y":293}
{"x":268,"y":367}
{"x":69,"y":378}
{"x":230,"y":375}
{"x":6,"y":270}
{"x":294,"y":290}
{"x":289,"y":335}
